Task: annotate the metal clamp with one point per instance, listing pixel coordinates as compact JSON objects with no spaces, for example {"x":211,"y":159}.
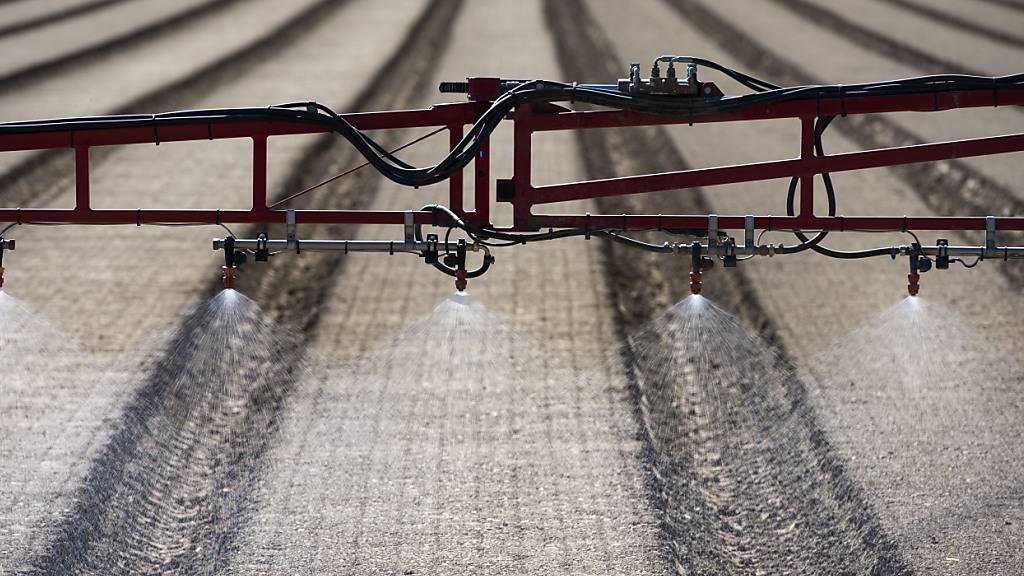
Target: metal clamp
{"x":990,"y":237}
{"x":291,"y":231}
{"x":712,"y":232}
{"x":410,"y":227}
{"x":748,"y":235}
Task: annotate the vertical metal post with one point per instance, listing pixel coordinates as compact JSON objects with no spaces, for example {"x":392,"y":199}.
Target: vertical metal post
{"x":259,"y":173}
{"x":806,"y":180}
{"x":455,"y":180}
{"x":482,"y":184}
{"x":521,"y":166}
{"x":82,"y":178}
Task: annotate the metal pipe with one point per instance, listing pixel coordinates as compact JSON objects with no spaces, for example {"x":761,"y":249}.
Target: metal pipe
{"x":389,"y":246}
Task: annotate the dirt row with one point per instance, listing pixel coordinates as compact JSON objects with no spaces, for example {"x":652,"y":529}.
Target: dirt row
{"x":113,"y":321}
{"x":884,"y":430}
{"x":121,"y":466}
{"x":835,"y":529}
{"x":530,"y":468}
{"x":28,"y":19}
{"x":581,"y":486}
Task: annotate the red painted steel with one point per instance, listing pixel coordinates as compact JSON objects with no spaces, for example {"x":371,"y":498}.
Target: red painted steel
{"x":519,"y":190}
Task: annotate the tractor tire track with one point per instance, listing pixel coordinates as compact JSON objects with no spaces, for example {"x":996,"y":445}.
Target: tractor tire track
{"x":56,"y":16}
{"x":834,"y":530}
{"x":874,"y":41}
{"x":32,"y":182}
{"x":173,"y":505}
{"x":1011,"y":4}
{"x":946,"y":188}
{"x":18,"y":80}
{"x":1011,"y":40}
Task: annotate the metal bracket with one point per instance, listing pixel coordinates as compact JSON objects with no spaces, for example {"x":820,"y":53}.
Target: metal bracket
{"x":712,"y":231}
{"x":410,"y":227}
{"x":990,"y":237}
{"x":291,"y":231}
{"x":748,"y":235}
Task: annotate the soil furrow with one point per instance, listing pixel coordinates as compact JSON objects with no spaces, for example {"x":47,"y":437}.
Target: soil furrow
{"x":20,"y":79}
{"x":56,"y":16}
{"x":798,"y":508}
{"x":875,"y":41}
{"x":1011,"y":4}
{"x":1012,"y":40}
{"x":178,"y":503}
{"x":946,"y":188}
{"x":32,"y":182}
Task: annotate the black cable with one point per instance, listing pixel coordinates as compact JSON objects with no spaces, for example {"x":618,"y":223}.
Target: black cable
{"x":814,"y":243}
{"x":524,"y":93}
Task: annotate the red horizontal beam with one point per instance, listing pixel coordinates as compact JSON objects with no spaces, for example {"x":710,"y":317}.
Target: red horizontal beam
{"x":440,"y":115}
{"x":637,"y":222}
{"x":775,"y":169}
{"x":938,"y":101}
{"x":594,"y":221}
{"x":146,"y":216}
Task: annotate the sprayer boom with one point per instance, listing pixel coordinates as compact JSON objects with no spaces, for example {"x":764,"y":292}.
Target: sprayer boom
{"x":675,"y":98}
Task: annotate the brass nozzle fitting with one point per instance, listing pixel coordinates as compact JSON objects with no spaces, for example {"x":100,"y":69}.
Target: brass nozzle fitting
{"x":229,"y":277}
{"x":913,"y":284}
{"x":695,"y":285}
{"x":460,"y":280}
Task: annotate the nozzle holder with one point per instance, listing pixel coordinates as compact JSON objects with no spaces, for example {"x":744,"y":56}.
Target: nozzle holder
{"x":228,"y":269}
{"x":918,"y":265}
{"x":696,"y":267}
{"x":460,"y":266}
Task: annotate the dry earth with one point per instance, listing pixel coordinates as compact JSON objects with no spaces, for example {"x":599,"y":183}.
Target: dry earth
{"x":551,"y":451}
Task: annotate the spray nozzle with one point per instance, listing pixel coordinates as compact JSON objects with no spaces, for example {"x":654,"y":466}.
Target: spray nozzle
{"x":698,"y":264}
{"x":232,"y":259}
{"x":460,"y":266}
{"x":919,"y":264}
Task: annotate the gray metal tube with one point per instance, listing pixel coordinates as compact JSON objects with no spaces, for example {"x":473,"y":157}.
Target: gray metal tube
{"x":387,"y":246}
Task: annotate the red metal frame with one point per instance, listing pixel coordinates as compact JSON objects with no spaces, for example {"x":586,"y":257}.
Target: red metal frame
{"x":520,"y":192}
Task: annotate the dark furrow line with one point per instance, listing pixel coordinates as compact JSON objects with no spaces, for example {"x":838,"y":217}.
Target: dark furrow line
{"x":1011,"y":4}
{"x":946,"y":188}
{"x":187,"y":500}
{"x":875,"y":41}
{"x":1012,"y":40}
{"x":32,"y":182}
{"x":20,"y":79}
{"x":56,"y":16}
{"x":837,"y":527}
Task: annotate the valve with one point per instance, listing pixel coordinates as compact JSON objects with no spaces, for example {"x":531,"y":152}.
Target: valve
{"x":942,"y":259}
{"x":430,"y":255}
{"x":262,"y":252}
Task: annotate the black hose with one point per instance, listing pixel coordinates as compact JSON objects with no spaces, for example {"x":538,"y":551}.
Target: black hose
{"x":815,"y":243}
{"x":528,"y":92}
